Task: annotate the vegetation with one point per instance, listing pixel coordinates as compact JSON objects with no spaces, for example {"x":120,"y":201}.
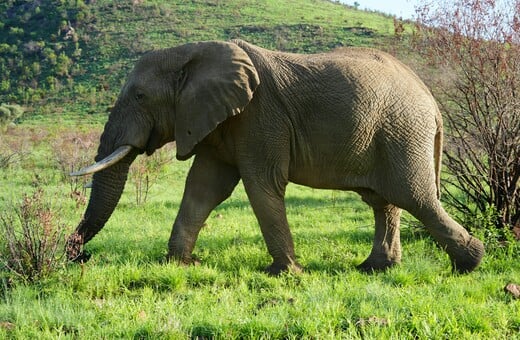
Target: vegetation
{"x":126,"y":290}
{"x":77,"y":54}
{"x":32,"y":235}
{"x":39,"y":47}
{"x":475,"y":47}
{"x":145,"y":172}
{"x":9,"y":114}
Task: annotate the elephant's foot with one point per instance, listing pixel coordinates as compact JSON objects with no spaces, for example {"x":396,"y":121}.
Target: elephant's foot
{"x":377,"y":264}
{"x":466,"y":259}
{"x":276,"y":269}
{"x":184,"y":260}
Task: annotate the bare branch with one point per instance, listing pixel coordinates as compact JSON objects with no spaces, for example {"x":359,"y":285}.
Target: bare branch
{"x":478,"y":41}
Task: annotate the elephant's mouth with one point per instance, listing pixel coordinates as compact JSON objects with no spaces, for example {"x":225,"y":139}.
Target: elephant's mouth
{"x":155,"y":141}
{"x":106,"y":162}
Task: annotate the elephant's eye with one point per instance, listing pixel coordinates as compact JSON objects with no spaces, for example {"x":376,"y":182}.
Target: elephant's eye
{"x":139,"y":97}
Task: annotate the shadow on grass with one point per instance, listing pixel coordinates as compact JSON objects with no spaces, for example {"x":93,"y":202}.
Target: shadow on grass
{"x":294,"y":201}
{"x":247,"y":250}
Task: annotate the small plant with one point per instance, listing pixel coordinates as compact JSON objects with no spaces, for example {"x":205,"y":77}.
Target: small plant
{"x":32,"y":239}
{"x":496,"y":239}
{"x":74,"y":151}
{"x":7,"y":158}
{"x":140,"y":176}
{"x":145,"y":172}
{"x":398,"y":28}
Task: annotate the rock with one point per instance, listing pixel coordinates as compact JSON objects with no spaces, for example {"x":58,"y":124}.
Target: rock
{"x":372,"y":320}
{"x":7,"y":325}
{"x":513,"y":289}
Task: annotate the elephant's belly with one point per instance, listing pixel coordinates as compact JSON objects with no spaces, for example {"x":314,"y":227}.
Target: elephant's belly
{"x":340,"y":178}
{"x":336,"y":158}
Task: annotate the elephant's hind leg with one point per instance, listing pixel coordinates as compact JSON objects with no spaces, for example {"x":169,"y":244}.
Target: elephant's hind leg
{"x":386,"y":250}
{"x":465,"y":251}
{"x":415,"y":191}
{"x":420,"y":200}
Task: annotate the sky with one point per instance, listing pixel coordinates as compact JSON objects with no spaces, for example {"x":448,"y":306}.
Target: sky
{"x":399,"y":8}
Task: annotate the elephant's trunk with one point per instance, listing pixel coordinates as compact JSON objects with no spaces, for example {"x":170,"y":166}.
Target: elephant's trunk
{"x":107,"y":187}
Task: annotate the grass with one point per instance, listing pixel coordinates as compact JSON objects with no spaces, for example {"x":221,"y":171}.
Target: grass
{"x":127,"y":290}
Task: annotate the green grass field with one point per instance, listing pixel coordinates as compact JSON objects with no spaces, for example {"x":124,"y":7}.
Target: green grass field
{"x":127,"y":290}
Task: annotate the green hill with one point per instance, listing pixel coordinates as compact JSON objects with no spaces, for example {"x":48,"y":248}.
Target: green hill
{"x":72,"y":56}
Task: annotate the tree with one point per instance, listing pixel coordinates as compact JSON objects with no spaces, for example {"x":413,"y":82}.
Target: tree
{"x":474,"y":47}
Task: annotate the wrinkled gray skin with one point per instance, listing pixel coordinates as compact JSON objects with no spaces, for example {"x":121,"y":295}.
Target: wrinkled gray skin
{"x":354,"y":119}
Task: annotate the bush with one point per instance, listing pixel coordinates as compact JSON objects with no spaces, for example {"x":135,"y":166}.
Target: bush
{"x":9,"y":113}
{"x":32,"y":239}
{"x":473,"y":45}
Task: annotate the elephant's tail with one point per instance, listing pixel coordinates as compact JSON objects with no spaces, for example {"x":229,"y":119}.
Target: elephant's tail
{"x":437,"y":154}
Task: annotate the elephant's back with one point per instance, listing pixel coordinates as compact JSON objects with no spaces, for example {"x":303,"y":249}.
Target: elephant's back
{"x":382,"y":86}
{"x":382,"y":70}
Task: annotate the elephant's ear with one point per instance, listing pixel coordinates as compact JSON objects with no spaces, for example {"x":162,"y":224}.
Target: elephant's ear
{"x":219,"y":83}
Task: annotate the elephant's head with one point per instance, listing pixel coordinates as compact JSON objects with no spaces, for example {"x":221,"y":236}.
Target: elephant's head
{"x":179,"y":94}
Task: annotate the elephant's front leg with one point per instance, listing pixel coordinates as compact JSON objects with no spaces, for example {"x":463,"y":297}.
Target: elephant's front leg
{"x":267,"y":200}
{"x":209,"y":182}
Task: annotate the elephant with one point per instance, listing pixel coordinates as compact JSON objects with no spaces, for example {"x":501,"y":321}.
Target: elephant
{"x":351,"y":119}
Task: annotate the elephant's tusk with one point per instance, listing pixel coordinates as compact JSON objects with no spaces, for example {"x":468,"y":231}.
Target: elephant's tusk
{"x":113,"y":158}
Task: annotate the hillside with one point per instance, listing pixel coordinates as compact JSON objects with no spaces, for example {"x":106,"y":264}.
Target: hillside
{"x":70,"y":57}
